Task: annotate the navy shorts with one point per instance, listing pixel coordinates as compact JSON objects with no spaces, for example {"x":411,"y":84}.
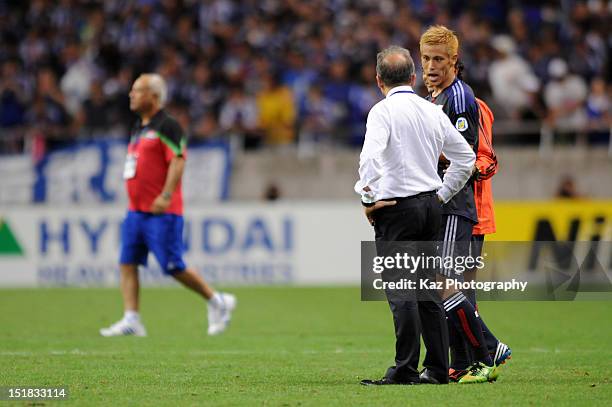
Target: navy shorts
{"x":456,"y":237}
{"x":476,"y":246}
{"x":143,"y":232}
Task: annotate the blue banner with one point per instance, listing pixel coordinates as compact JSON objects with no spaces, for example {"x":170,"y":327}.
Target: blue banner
{"x":90,"y":172}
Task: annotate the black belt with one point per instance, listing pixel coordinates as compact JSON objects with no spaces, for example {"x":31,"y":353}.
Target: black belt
{"x":406,"y":198}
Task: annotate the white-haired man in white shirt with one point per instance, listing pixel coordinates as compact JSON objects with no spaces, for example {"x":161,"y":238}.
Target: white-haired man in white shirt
{"x":402,"y":194}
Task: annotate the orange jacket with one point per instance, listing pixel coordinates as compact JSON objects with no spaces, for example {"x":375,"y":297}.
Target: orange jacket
{"x":486,"y":162}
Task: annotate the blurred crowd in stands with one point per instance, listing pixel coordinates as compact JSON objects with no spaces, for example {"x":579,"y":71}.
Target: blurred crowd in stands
{"x":286,"y":72}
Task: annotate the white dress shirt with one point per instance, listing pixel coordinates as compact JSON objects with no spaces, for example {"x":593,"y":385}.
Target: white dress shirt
{"x":405,"y":135}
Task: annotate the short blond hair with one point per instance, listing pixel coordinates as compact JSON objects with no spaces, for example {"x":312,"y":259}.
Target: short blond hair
{"x":440,"y":35}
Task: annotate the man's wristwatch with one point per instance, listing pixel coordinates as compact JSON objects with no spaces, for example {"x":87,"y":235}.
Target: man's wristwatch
{"x":367,"y":199}
{"x":166,"y":195}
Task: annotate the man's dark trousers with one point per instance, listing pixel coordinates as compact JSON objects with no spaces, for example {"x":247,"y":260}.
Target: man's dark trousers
{"x":415,"y":219}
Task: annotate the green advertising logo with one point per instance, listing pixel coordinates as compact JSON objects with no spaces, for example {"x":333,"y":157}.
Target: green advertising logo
{"x":9,"y":246}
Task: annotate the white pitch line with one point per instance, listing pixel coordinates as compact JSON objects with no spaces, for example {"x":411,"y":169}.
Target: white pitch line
{"x":78,"y":352}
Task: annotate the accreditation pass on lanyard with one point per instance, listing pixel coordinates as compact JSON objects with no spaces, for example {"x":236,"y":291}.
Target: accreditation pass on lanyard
{"x":129,"y":171}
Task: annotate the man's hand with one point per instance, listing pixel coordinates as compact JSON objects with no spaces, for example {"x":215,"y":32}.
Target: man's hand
{"x":369,"y":211}
{"x":443,"y":163}
{"x":475,"y":174}
{"x":160,"y":204}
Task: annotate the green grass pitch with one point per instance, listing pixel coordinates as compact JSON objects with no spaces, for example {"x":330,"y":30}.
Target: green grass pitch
{"x":286,"y":347}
